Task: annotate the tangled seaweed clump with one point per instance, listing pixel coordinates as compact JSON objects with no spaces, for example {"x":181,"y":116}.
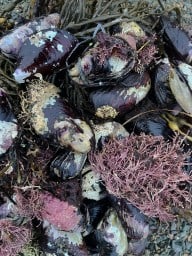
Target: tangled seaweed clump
{"x":147,"y":171}
{"x":44,"y":206}
{"x":12,"y":237}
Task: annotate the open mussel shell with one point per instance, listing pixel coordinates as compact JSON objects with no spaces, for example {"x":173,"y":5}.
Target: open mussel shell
{"x":68,"y":164}
{"x":181,"y":85}
{"x":178,"y":42}
{"x":109,"y":102}
{"x":11,"y":43}
{"x":109,"y":238}
{"x":8,"y":123}
{"x":44,"y":52}
{"x":53,"y":118}
{"x":161,"y":86}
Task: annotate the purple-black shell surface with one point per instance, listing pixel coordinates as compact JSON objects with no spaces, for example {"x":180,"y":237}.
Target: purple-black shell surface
{"x":8,"y":124}
{"x":44,"y":52}
{"x":11,"y":43}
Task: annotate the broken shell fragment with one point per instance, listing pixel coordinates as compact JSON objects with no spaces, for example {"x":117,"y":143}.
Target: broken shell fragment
{"x":53,"y":118}
{"x":11,"y":43}
{"x":8,"y":124}
{"x":44,"y":52}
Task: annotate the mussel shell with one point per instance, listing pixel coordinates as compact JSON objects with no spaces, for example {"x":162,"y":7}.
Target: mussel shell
{"x":134,"y":222}
{"x":162,"y":91}
{"x":152,"y":124}
{"x":8,"y":124}
{"x":181,"y":85}
{"x":106,"y":60}
{"x":11,"y":43}
{"x":52,"y":118}
{"x":57,"y":242}
{"x":44,"y":52}
{"x":94,"y":211}
{"x":109,"y":238}
{"x":68,"y":164}
{"x":91,"y":185}
{"x":177,"y":39}
{"x":106,"y":130}
{"x":109,"y":102}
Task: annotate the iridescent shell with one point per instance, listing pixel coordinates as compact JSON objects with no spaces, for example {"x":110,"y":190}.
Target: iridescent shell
{"x":8,"y":124}
{"x":11,"y":43}
{"x":44,"y":52}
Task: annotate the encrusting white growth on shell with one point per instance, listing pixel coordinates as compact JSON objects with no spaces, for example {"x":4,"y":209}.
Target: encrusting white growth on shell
{"x":20,"y":75}
{"x":11,"y":43}
{"x":8,"y":132}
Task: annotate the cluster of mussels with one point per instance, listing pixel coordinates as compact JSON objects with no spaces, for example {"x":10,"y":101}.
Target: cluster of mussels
{"x":74,"y":94}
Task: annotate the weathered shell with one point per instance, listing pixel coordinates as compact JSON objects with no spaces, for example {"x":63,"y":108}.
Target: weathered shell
{"x":109,"y":238}
{"x":62,"y":242}
{"x":8,"y":124}
{"x":108,"y":102}
{"x":108,"y":58}
{"x":11,"y":43}
{"x":181,"y":85}
{"x":91,"y":185}
{"x":108,"y":130}
{"x":68,"y":164}
{"x":130,"y":28}
{"x":44,"y":52}
{"x":52,"y":118}
{"x":134,"y":223}
{"x":177,"y":39}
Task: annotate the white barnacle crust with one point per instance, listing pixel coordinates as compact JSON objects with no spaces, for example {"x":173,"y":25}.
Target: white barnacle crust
{"x":106,"y":111}
{"x":41,"y":96}
{"x":50,"y":34}
{"x":60,"y":47}
{"x":21,"y":75}
{"x":114,"y":232}
{"x":8,"y":132}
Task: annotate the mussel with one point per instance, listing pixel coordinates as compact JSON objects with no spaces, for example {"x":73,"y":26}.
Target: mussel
{"x":53,"y":119}
{"x":177,"y":39}
{"x":44,"y":52}
{"x":11,"y":43}
{"x":8,"y":123}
